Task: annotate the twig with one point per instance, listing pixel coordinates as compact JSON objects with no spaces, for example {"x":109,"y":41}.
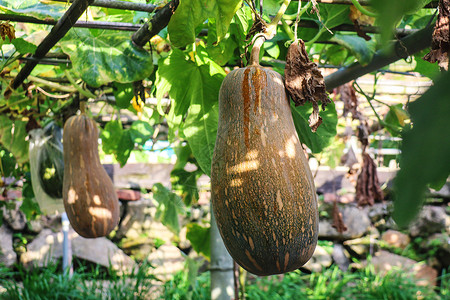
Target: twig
{"x":82,"y":91}
{"x":53,"y":85}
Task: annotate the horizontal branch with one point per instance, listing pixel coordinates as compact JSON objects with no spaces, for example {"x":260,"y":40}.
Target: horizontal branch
{"x":399,"y":50}
{"x":120,"y":5}
{"x":82,"y":24}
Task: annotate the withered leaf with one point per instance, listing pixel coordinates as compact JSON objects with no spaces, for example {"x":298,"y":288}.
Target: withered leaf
{"x":304,"y":82}
{"x":367,"y":186}
{"x":440,"y":44}
{"x":348,"y":96}
{"x":7,"y":30}
{"x":338,"y":220}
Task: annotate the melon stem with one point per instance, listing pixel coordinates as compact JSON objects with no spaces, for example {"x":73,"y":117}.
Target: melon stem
{"x":258,"y":41}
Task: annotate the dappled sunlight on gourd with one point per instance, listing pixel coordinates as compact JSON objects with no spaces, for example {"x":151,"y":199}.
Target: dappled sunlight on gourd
{"x":245,"y":166}
{"x":72,"y":196}
{"x":100,"y":212}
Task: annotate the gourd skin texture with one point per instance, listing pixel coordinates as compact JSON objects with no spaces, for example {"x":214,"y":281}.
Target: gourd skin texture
{"x":89,"y":196}
{"x":263,"y":192}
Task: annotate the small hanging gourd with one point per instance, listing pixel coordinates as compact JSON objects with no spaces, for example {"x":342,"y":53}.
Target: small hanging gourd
{"x":263,"y":193}
{"x":90,"y":199}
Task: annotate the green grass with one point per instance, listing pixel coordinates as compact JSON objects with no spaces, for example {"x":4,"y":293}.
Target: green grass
{"x":329,"y":284}
{"x":98,"y":283}
{"x":84,"y":283}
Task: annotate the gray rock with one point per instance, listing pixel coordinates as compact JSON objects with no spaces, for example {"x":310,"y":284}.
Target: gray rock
{"x":377,"y":212}
{"x":137,"y":219}
{"x":167,"y":260}
{"x":385,"y":261}
{"x":340,"y":258}
{"x":35,"y":226}
{"x":432,"y":219}
{"x":7,"y":255}
{"x":14,"y":217}
{"x":47,"y":247}
{"x":101,"y":251}
{"x":319,"y":260}
{"x":356,"y":220}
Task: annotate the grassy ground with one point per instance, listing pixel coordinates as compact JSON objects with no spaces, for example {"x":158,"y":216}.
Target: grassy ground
{"x":95,"y":283}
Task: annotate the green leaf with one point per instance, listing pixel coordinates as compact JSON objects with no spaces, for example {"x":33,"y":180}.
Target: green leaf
{"x":7,"y":163}
{"x":169,"y":205}
{"x":23,"y":47}
{"x":123,"y":92}
{"x":124,"y":148}
{"x":182,"y":181}
{"x":13,"y":136}
{"x":195,"y":91}
{"x":336,"y":55}
{"x":33,"y":8}
{"x":316,"y":141}
{"x":334,"y":15}
{"x":140,"y":132}
{"x":185,"y":183}
{"x":29,"y":205}
{"x":100,"y":57}
{"x":362,"y":50}
{"x":190,"y":14}
{"x":425,"y":157}
{"x":221,"y":52}
{"x":395,"y":119}
{"x":203,"y":115}
{"x":391,"y":12}
{"x":430,"y":70}
{"x":110,"y":136}
{"x":272,"y":49}
{"x":173,"y":77}
{"x":200,"y":238}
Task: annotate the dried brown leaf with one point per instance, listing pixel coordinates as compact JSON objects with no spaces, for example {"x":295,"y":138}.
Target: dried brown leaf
{"x":7,"y":30}
{"x":348,"y":96}
{"x":367,"y":186}
{"x":338,"y":220}
{"x":440,"y":44}
{"x":304,"y":82}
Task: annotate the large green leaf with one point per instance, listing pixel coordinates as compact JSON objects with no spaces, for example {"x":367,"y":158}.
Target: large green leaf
{"x":316,"y":141}
{"x":201,"y":123}
{"x":425,"y":157}
{"x":191,"y":14}
{"x":200,"y":238}
{"x":362,"y":50}
{"x":169,"y":205}
{"x":110,"y":136}
{"x":34,"y":8}
{"x":173,"y":77}
{"x":194,"y":88}
{"x":120,"y":142}
{"x":100,"y":57}
{"x":13,"y":136}
{"x":391,"y":12}
{"x":141,"y":132}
